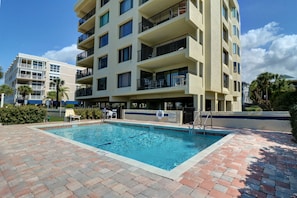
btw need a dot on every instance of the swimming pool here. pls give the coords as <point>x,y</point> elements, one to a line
<point>165,148</point>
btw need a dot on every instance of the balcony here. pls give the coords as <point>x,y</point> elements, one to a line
<point>86,41</point>
<point>145,83</point>
<point>149,52</point>
<point>85,55</point>
<point>86,17</point>
<point>180,50</point>
<point>163,16</point>
<point>84,92</point>
<point>162,26</point>
<point>85,36</point>
<point>85,76</point>
<point>87,22</point>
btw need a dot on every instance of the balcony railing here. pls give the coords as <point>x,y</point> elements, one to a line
<point>86,35</point>
<point>149,52</point>
<point>85,54</point>
<point>163,16</point>
<point>84,73</point>
<point>146,83</point>
<point>87,16</point>
<point>84,92</point>
<point>142,2</point>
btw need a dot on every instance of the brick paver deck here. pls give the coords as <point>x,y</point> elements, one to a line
<point>251,164</point>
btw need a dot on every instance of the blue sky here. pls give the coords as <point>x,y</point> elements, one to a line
<point>49,28</point>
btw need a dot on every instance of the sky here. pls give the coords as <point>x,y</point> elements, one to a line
<point>48,28</point>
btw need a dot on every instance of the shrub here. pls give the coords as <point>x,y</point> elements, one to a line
<point>69,106</point>
<point>21,115</point>
<point>293,119</point>
<point>89,113</point>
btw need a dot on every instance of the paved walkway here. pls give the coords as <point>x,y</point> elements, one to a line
<point>251,164</point>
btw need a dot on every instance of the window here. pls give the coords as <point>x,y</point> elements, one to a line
<point>125,5</point>
<point>125,29</point>
<point>103,2</point>
<point>200,37</point>
<point>125,54</point>
<point>225,34</point>
<point>234,48</point>
<point>104,19</point>
<point>103,40</point>
<point>101,84</point>
<point>238,68</point>
<point>234,67</point>
<point>201,6</point>
<point>124,80</point>
<point>102,62</point>
<point>234,30</point>
<point>201,69</point>
<point>235,85</point>
<point>225,57</point>
<point>226,80</point>
<point>239,87</point>
<point>235,13</point>
<point>225,12</point>
<point>55,68</point>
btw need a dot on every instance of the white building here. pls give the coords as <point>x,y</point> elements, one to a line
<point>38,73</point>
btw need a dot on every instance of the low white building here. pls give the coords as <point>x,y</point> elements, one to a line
<point>39,73</point>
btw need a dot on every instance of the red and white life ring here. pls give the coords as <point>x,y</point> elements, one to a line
<point>160,114</point>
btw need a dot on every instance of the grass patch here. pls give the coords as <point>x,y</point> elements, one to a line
<point>253,108</point>
<point>56,118</point>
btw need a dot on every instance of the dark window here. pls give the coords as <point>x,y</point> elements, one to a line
<point>225,57</point>
<point>102,62</point>
<point>124,80</point>
<point>239,87</point>
<point>126,29</point>
<point>125,54</point>
<point>103,2</point>
<point>103,40</point>
<point>234,67</point>
<point>225,34</point>
<point>102,84</point>
<point>125,5</point>
<point>235,86</point>
<point>238,68</point>
<point>226,80</point>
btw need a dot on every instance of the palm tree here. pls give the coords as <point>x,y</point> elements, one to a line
<point>7,90</point>
<point>24,90</point>
<point>1,72</point>
<point>63,92</point>
<point>60,89</point>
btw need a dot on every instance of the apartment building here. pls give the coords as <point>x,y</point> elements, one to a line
<point>153,54</point>
<point>39,73</point>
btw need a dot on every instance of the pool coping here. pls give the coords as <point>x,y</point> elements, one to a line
<point>174,174</point>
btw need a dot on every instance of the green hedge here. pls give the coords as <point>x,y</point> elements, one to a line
<point>89,113</point>
<point>293,119</point>
<point>21,115</point>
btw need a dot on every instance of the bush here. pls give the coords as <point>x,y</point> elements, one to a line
<point>69,106</point>
<point>21,115</point>
<point>89,113</point>
<point>293,119</point>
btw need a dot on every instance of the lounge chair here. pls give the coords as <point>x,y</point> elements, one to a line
<point>69,113</point>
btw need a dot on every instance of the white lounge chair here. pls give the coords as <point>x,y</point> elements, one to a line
<point>69,113</point>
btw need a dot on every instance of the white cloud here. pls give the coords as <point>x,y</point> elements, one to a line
<point>265,50</point>
<point>67,54</point>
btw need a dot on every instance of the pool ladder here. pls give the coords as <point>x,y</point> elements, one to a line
<point>201,124</point>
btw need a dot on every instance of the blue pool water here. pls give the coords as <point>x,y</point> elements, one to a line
<point>159,147</point>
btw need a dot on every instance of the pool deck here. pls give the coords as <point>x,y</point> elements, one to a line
<point>252,163</point>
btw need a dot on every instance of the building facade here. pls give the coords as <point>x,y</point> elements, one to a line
<point>160,54</point>
<point>39,73</point>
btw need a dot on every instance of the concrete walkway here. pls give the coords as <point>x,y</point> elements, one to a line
<point>251,164</point>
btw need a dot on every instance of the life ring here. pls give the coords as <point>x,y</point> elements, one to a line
<point>160,114</point>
